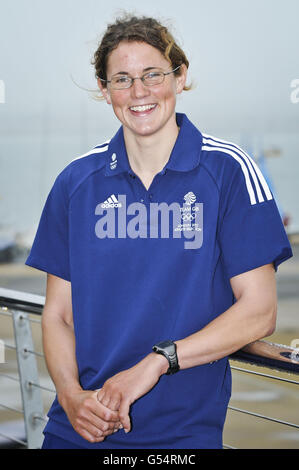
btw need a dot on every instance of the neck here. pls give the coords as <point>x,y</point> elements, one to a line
<point>149,154</point>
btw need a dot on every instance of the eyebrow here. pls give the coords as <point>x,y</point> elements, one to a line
<point>144,70</point>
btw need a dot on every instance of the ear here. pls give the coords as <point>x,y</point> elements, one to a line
<point>181,79</point>
<point>104,91</point>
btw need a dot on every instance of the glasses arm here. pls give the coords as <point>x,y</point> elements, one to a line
<point>167,73</point>
<point>102,80</point>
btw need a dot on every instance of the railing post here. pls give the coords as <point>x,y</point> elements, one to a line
<point>28,372</point>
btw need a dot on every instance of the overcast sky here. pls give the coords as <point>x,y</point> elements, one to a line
<point>243,56</point>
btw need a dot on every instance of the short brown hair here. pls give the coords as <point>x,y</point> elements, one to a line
<point>141,29</point>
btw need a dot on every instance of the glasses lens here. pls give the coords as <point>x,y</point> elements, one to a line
<point>153,78</point>
<point>120,82</point>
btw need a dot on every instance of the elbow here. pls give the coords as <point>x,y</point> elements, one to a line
<point>269,324</point>
<point>270,330</point>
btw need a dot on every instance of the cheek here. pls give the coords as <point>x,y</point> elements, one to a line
<point>169,97</point>
<point>119,100</point>
<point>169,92</point>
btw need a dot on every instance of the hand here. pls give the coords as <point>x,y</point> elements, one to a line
<point>121,390</point>
<point>89,418</point>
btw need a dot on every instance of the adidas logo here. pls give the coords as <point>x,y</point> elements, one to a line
<point>111,202</point>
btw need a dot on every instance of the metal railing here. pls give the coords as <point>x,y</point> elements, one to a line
<point>20,305</point>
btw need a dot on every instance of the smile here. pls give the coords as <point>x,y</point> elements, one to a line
<point>142,109</point>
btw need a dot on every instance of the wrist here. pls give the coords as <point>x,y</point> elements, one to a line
<point>64,394</point>
<point>160,362</point>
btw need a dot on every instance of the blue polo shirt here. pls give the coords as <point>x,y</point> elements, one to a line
<point>134,284</point>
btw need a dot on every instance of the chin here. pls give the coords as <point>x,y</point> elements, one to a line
<point>143,130</point>
<point>146,131</point>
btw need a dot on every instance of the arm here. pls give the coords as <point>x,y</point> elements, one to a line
<point>88,417</point>
<point>251,317</point>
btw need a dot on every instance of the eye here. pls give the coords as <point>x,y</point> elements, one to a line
<point>152,75</point>
<point>121,79</point>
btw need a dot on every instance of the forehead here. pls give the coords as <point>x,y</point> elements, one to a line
<point>134,57</point>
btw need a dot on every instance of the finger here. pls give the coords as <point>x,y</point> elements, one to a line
<point>99,423</point>
<point>98,415</point>
<point>110,401</point>
<point>93,423</point>
<point>102,397</point>
<point>114,402</point>
<point>124,415</point>
<point>99,394</point>
<point>89,432</point>
<point>102,412</point>
<point>97,427</point>
<point>113,428</point>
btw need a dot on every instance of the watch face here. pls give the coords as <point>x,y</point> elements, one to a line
<point>165,344</point>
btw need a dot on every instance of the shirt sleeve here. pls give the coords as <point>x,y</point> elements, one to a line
<point>251,232</point>
<point>50,249</point>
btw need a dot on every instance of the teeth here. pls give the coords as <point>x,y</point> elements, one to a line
<point>142,108</point>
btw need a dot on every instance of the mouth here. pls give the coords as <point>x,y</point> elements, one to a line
<point>142,110</point>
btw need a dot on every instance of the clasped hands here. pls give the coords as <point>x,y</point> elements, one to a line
<point>97,414</point>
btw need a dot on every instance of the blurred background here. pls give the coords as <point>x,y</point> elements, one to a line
<point>244,64</point>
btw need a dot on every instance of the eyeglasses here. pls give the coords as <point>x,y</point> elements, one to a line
<point>155,77</point>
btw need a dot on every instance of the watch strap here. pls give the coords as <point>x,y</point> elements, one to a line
<point>168,349</point>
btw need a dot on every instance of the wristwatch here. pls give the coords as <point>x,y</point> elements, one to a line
<point>168,349</point>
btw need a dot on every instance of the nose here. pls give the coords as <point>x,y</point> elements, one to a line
<point>139,90</point>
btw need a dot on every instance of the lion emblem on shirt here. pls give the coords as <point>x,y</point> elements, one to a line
<point>189,198</point>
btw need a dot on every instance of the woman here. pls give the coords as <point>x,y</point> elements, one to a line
<point>161,247</point>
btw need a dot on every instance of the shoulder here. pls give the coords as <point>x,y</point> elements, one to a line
<point>81,167</point>
<point>91,155</point>
<point>219,154</point>
<point>230,164</point>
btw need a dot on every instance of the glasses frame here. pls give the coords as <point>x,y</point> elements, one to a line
<point>142,79</point>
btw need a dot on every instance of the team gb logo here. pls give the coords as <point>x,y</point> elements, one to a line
<point>189,198</point>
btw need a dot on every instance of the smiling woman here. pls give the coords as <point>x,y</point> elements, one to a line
<point>138,323</point>
<point>140,69</point>
<point>147,106</point>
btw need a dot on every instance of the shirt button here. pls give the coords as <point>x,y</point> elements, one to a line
<point>141,200</point>
<point>151,196</point>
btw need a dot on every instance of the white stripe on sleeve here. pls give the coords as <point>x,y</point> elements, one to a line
<point>249,161</point>
<point>95,150</point>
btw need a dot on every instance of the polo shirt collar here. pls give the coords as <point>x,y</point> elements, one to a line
<point>185,155</point>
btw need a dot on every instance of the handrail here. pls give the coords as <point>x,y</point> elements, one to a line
<point>271,355</point>
<point>22,301</point>
<point>259,353</point>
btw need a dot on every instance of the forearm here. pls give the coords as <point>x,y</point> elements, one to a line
<point>59,350</point>
<point>241,324</point>
<point>89,418</point>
